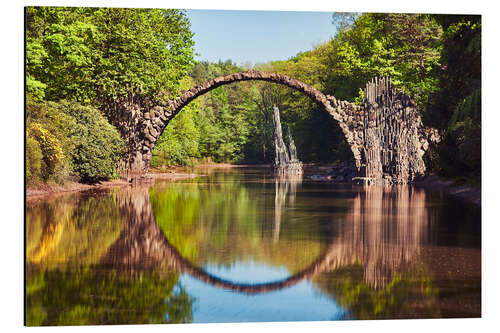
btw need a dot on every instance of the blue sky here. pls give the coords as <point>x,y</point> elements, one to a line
<point>257,36</point>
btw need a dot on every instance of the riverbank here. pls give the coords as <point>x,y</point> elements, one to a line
<point>465,192</point>
<point>41,191</point>
<point>344,172</point>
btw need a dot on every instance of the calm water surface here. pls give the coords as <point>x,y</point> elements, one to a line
<point>238,245</point>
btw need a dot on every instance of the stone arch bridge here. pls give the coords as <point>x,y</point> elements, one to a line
<point>385,134</point>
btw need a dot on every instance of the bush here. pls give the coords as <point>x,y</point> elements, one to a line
<point>33,159</point>
<point>66,137</point>
<point>53,155</point>
<point>97,144</point>
<point>47,142</point>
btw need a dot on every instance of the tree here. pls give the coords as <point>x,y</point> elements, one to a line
<point>456,106</point>
<point>120,60</point>
<point>95,55</point>
<point>405,47</point>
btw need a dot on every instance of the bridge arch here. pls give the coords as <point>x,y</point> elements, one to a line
<point>327,260</point>
<point>347,115</point>
<point>142,245</point>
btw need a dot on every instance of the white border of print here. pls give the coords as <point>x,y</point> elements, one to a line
<point>12,164</point>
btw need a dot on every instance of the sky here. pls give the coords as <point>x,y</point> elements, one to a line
<point>257,36</point>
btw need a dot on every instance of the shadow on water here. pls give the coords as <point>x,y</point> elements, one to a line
<point>117,257</point>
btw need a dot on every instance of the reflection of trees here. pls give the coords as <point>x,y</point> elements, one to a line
<point>383,232</point>
<point>231,223</point>
<point>89,296</point>
<point>139,246</point>
<point>411,294</point>
<point>71,228</point>
<point>112,284</point>
<point>371,267</point>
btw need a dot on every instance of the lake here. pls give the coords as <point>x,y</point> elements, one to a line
<point>239,245</point>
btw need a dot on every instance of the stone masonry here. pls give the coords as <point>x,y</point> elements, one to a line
<point>373,145</point>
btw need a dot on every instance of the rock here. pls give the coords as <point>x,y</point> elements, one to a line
<point>152,131</point>
<point>321,177</point>
<point>285,160</point>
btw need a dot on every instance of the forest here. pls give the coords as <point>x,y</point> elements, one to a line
<point>84,64</point>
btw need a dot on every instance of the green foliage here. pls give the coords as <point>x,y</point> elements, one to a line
<point>34,158</point>
<point>88,296</point>
<point>50,147</point>
<point>224,120</point>
<point>460,74</point>
<point>71,138</point>
<point>467,109</point>
<point>405,47</point>
<point>460,151</point>
<point>34,88</point>
<point>456,106</point>
<point>97,144</point>
<point>102,57</point>
<point>47,142</point>
<point>94,55</point>
<point>179,143</point>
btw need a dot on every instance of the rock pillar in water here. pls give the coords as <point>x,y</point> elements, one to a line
<point>285,158</point>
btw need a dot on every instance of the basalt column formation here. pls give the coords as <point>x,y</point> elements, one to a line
<point>395,139</point>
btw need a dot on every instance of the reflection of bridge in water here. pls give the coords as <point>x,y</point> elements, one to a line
<point>382,232</point>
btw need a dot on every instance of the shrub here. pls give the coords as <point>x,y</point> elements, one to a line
<point>49,127</point>
<point>33,159</point>
<point>97,144</point>
<point>66,137</point>
<point>52,163</point>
